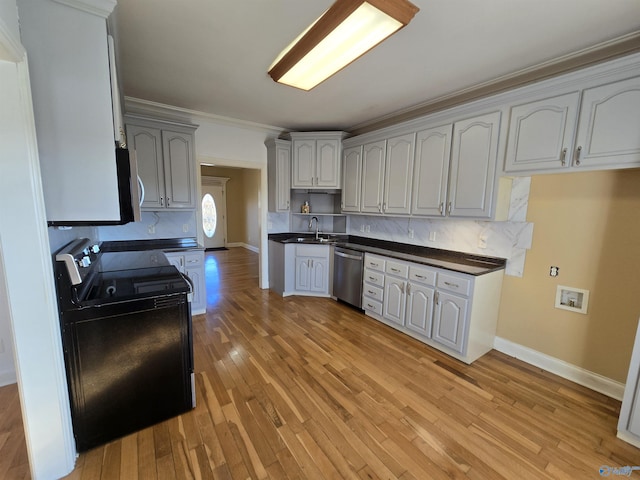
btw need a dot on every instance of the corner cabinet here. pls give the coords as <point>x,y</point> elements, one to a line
<point>596,128</point>
<point>450,311</point>
<point>296,269</point>
<point>165,153</point>
<point>316,160</point>
<point>279,174</point>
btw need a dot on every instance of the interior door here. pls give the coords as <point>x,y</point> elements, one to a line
<point>214,213</point>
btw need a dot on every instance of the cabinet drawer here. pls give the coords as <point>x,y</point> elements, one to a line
<point>374,263</point>
<point>422,275</point>
<point>372,292</point>
<point>370,305</point>
<point>374,278</point>
<point>319,251</point>
<point>454,284</point>
<point>398,269</point>
<point>193,259</point>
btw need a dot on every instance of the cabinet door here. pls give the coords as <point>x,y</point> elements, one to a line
<point>147,143</point>
<point>398,174</point>
<point>609,126</point>
<point>283,178</point>
<point>474,155</point>
<point>449,328</point>
<point>431,171</point>
<point>419,315</point>
<point>541,134</point>
<point>177,260</point>
<point>198,300</point>
<point>303,165</point>
<point>179,170</point>
<point>351,177</point>
<point>328,163</point>
<point>372,177</point>
<point>319,276</point>
<point>303,267</point>
<point>394,300</point>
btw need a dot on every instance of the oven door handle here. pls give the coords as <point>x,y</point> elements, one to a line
<point>191,285</point>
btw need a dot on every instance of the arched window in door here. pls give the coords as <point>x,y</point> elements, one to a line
<point>209,215</point>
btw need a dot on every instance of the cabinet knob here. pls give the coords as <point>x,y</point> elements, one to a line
<point>563,157</point>
<point>577,159</point>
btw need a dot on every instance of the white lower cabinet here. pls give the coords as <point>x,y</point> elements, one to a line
<point>453,312</point>
<point>191,263</point>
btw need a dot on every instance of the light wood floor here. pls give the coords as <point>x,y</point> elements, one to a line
<point>308,388</point>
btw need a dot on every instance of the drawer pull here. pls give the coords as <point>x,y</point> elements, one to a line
<point>421,276</point>
<point>373,279</point>
<point>395,270</point>
<point>455,285</point>
<point>374,264</point>
<point>371,306</point>
<point>370,292</point>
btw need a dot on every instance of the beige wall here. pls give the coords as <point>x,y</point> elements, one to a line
<point>243,189</point>
<point>588,224</point>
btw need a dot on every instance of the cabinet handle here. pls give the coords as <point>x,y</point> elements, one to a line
<point>449,208</point>
<point>408,289</point>
<point>192,261</point>
<point>287,203</point>
<point>455,285</point>
<point>384,207</point>
<point>441,208</point>
<point>402,287</point>
<point>379,208</point>
<point>577,159</point>
<point>422,277</point>
<point>436,298</point>
<point>563,157</point>
<point>371,306</point>
<point>162,201</point>
<point>370,292</point>
<point>373,279</point>
<point>167,201</point>
<point>395,270</point>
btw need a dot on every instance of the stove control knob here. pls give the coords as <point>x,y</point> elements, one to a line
<point>95,248</point>
<point>85,252</point>
<point>86,261</point>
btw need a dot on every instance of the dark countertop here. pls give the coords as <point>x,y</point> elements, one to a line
<point>165,244</point>
<point>462,262</point>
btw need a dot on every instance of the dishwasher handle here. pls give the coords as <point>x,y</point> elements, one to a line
<point>346,255</point>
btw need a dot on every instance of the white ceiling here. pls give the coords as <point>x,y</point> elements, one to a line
<point>212,56</point>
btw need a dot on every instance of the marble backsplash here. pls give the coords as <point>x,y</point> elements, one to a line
<point>153,225</point>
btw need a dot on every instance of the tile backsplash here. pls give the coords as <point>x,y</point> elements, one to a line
<point>153,225</point>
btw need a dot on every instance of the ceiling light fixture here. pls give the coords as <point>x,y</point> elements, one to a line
<point>346,31</point>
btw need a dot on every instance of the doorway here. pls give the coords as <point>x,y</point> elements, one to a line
<point>214,212</point>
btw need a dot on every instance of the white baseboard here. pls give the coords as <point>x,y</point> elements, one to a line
<point>594,381</point>
<point>7,378</point>
<point>243,245</point>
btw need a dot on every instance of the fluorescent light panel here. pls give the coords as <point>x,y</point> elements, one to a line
<point>338,43</point>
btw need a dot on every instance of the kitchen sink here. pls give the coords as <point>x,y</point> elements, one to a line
<point>320,240</point>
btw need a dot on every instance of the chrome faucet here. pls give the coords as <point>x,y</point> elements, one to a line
<point>317,226</point>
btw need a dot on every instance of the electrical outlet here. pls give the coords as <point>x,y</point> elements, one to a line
<point>411,233</point>
<point>185,227</point>
<point>432,236</point>
<point>151,229</point>
<point>482,241</point>
<point>362,227</point>
<point>269,225</point>
<point>554,271</point>
<point>368,228</point>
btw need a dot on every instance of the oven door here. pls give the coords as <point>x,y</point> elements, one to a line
<point>129,366</point>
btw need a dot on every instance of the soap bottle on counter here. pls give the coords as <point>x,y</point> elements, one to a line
<point>305,207</point>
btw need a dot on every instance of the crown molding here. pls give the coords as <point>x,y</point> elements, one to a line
<point>618,47</point>
<point>101,8</point>
<point>138,106</point>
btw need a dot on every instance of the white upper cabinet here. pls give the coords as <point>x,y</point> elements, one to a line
<point>431,170</point>
<point>373,156</point>
<point>316,160</point>
<point>564,133</point>
<point>72,105</point>
<point>279,174</point>
<point>398,174</point>
<point>351,175</point>
<point>474,154</point>
<point>541,133</point>
<point>609,126</point>
<point>166,163</point>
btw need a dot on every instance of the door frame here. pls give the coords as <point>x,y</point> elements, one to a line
<point>214,182</point>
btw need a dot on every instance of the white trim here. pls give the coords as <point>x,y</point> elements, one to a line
<point>137,106</point>
<point>11,49</point>
<point>8,378</point>
<point>243,245</point>
<point>101,8</point>
<point>629,438</point>
<point>586,378</point>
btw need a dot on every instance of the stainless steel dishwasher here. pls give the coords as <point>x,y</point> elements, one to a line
<point>347,275</point>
